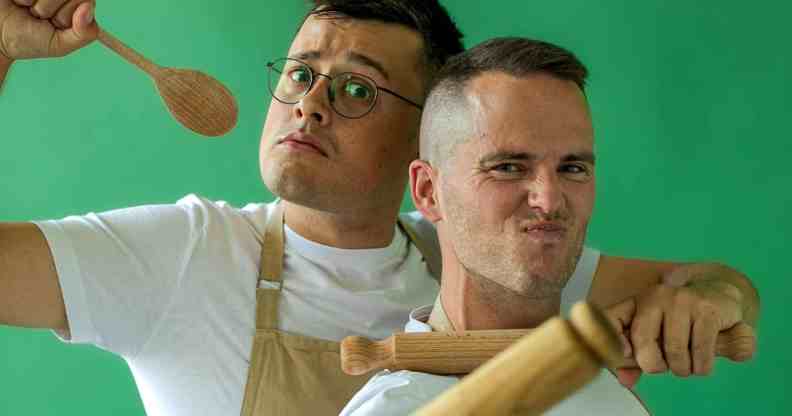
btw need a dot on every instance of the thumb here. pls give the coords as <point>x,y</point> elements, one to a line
<point>621,316</point>
<point>83,31</point>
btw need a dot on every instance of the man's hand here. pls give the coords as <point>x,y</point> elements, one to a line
<point>674,325</point>
<point>45,28</point>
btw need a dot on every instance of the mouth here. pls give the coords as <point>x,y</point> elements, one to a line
<point>545,231</point>
<point>302,141</point>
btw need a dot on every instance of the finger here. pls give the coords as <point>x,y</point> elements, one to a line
<point>645,336</point>
<point>63,17</point>
<point>83,31</point>
<point>621,316</point>
<point>628,377</point>
<point>45,9</point>
<point>676,340</point>
<point>705,334</point>
<point>24,3</point>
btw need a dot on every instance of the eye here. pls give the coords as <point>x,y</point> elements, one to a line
<point>507,168</point>
<point>300,75</point>
<point>358,90</point>
<point>576,171</point>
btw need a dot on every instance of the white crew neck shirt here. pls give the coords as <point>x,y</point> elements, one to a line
<point>171,289</point>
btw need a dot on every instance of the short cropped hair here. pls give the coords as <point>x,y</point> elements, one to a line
<point>518,57</point>
<point>441,37</point>
<point>515,56</point>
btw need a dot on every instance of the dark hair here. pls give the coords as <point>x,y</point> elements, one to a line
<point>441,37</point>
<point>515,56</point>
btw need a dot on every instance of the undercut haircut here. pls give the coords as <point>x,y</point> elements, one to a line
<point>515,56</point>
<point>441,36</point>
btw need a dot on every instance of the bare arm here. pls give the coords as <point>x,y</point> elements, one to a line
<point>619,278</point>
<point>30,294</point>
<point>5,65</point>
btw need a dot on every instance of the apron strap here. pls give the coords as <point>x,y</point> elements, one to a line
<point>269,282</point>
<point>430,253</point>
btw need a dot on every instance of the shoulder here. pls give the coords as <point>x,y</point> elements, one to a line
<point>206,213</point>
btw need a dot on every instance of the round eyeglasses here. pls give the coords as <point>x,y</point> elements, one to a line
<point>351,95</point>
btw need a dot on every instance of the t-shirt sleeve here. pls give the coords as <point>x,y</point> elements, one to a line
<point>397,394</point>
<point>118,270</point>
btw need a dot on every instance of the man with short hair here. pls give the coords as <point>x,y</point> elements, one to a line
<point>507,175</point>
<point>218,309</point>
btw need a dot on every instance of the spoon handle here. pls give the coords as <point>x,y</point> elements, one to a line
<point>128,53</point>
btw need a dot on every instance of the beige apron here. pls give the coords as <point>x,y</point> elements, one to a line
<point>290,374</point>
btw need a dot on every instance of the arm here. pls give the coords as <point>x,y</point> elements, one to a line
<point>30,294</point>
<point>619,278</point>
<point>5,65</point>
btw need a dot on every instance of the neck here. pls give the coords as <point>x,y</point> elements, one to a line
<point>475,303</point>
<point>355,230</point>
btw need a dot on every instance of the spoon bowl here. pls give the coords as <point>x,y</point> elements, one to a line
<point>196,100</point>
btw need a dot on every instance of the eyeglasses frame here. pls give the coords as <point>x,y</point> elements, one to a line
<point>315,74</point>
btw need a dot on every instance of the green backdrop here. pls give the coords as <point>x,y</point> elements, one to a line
<point>691,104</point>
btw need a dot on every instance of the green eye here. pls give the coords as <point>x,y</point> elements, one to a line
<point>300,75</point>
<point>358,90</point>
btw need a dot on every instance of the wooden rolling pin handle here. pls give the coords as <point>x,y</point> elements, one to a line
<point>361,355</point>
<point>462,352</point>
<point>128,53</point>
<point>737,343</point>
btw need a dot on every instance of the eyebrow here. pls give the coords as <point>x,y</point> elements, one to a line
<point>354,57</point>
<point>501,155</point>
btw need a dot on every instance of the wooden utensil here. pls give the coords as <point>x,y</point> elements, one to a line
<point>462,352</point>
<point>541,369</point>
<point>198,101</point>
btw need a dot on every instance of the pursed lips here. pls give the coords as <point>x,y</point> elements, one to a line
<point>301,139</point>
<point>545,230</point>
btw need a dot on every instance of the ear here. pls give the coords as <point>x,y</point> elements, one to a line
<point>423,189</point>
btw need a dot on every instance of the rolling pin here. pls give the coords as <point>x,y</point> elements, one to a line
<point>537,371</point>
<point>462,352</point>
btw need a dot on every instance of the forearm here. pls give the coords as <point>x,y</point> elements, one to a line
<point>718,275</point>
<point>5,65</point>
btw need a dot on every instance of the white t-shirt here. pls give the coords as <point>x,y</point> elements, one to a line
<point>402,392</point>
<point>170,288</point>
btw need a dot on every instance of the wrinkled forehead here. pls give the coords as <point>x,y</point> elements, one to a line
<point>393,51</point>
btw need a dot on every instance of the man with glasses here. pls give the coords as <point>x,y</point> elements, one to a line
<point>351,95</point>
<point>217,309</point>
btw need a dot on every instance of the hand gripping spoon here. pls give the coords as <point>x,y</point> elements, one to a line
<point>197,101</point>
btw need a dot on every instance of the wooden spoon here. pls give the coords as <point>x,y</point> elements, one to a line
<point>198,101</point>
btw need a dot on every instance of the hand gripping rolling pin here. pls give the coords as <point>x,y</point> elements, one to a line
<point>535,372</point>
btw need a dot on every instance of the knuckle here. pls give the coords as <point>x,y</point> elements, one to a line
<point>703,349</point>
<point>675,348</point>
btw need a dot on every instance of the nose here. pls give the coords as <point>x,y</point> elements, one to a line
<point>316,104</point>
<point>546,196</point>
